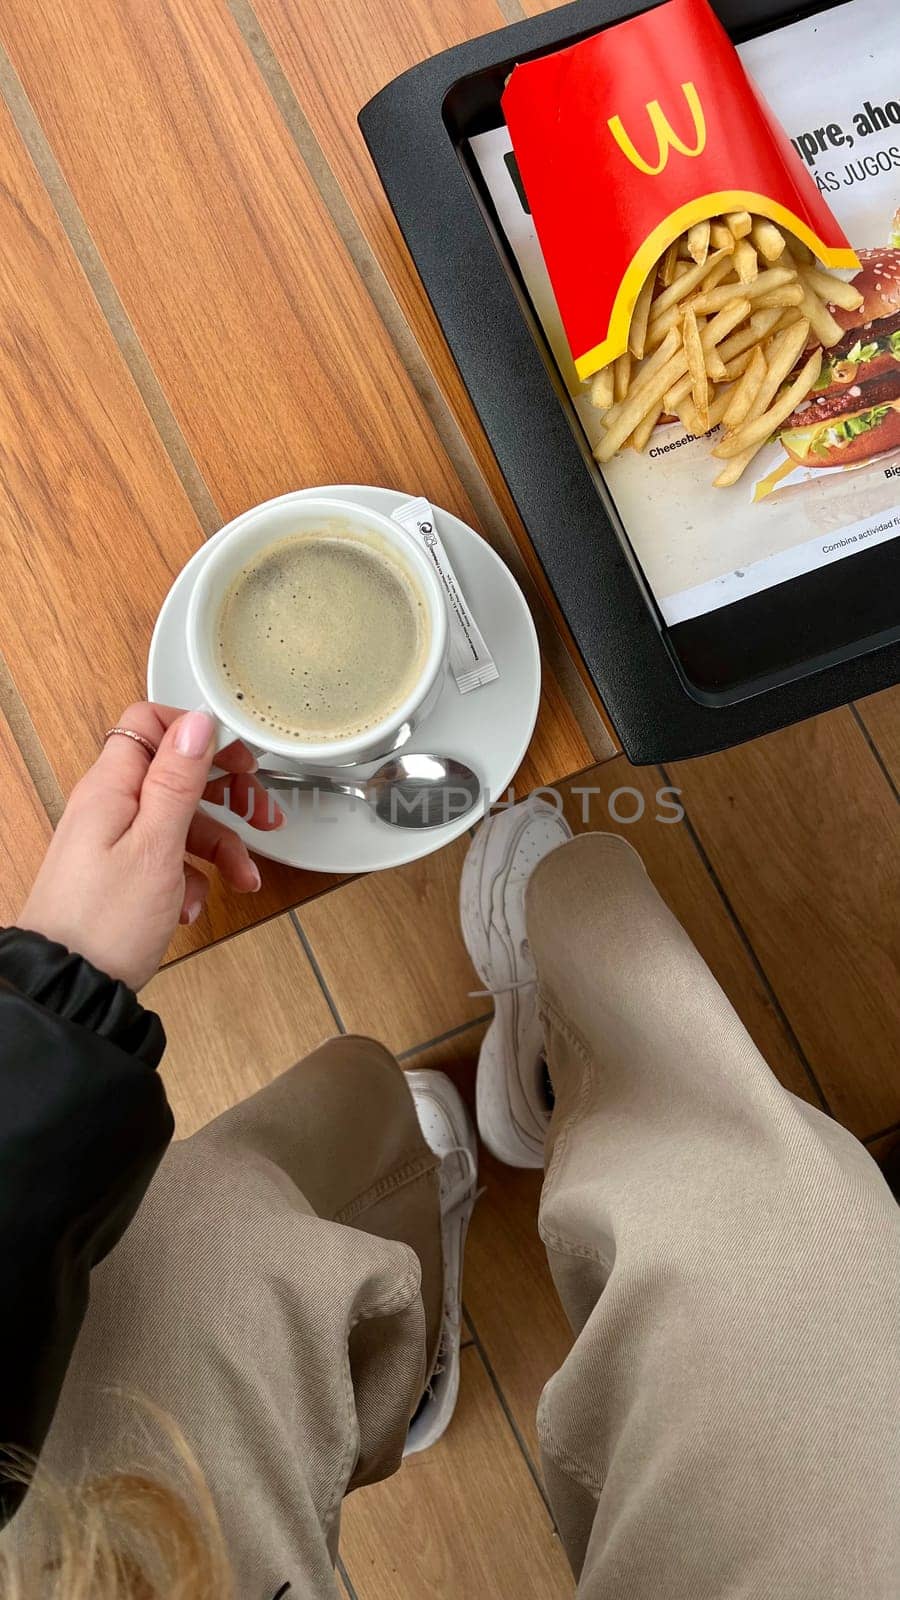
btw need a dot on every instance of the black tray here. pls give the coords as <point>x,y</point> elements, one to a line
<point>416,130</point>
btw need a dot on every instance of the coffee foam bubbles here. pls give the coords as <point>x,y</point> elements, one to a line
<point>322,636</point>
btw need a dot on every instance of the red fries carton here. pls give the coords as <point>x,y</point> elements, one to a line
<point>627,139</point>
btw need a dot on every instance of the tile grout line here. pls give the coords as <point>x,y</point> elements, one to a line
<point>345,1579</point>
<point>748,946</point>
<point>881,1133</point>
<point>863,728</point>
<point>29,746</point>
<point>406,345</point>
<point>107,297</point>
<point>248,927</point>
<point>501,1397</point>
<point>443,1038</point>
<point>317,970</point>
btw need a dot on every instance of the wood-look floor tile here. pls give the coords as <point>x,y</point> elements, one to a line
<point>509,1294</point>
<point>235,1016</point>
<point>391,953</point>
<point>881,715</point>
<point>461,1520</point>
<point>801,830</point>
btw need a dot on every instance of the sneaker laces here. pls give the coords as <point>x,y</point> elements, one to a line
<point>502,988</point>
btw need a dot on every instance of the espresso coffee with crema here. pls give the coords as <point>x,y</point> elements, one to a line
<point>322,636</point>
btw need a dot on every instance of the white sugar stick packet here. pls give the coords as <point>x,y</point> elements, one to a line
<point>470,660</point>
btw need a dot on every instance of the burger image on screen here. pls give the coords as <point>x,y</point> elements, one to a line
<point>853,413</point>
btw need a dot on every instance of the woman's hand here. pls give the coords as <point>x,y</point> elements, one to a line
<point>114,883</point>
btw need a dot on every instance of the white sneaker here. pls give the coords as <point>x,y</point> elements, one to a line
<point>512,1099</point>
<point>448,1129</point>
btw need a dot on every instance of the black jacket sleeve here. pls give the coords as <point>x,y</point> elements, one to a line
<point>84,1122</point>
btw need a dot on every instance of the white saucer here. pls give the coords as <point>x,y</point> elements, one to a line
<point>489,729</point>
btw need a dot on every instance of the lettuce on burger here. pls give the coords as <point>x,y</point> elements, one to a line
<point>853,414</point>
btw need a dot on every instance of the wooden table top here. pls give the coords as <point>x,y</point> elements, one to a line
<point>204,302</point>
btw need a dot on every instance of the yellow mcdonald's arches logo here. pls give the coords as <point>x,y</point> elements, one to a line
<point>666,137</point>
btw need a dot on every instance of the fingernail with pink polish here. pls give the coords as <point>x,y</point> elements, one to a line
<point>193,911</point>
<point>194,733</point>
<point>257,880</point>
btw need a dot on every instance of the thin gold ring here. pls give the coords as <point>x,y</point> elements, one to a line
<point>129,733</point>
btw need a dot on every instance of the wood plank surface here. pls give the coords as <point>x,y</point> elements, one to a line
<point>880,715</point>
<point>335,54</point>
<point>95,523</point>
<point>244,298</point>
<point>235,1017</point>
<point>390,950</point>
<point>510,1298</point>
<point>801,829</point>
<point>24,828</point>
<point>552,744</point>
<point>260,330</point>
<point>462,1519</point>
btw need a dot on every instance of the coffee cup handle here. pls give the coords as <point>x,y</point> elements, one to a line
<point>226,736</point>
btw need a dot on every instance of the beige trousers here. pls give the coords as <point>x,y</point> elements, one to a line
<point>726,1423</point>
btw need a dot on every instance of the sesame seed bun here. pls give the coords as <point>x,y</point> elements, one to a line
<point>879,284</point>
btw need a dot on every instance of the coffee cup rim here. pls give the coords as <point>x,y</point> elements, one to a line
<point>334,751</point>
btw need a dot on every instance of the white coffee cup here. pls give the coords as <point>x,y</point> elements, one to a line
<point>253,532</point>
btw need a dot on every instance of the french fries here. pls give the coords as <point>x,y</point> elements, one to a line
<point>738,223</point>
<point>834,291</point>
<point>667,270</point>
<point>640,316</point>
<point>823,325</point>
<point>746,389</point>
<point>602,389</point>
<point>746,261</point>
<point>769,240</point>
<point>758,429</point>
<point>727,332</point>
<point>715,299</point>
<point>783,352</point>
<point>621,376</point>
<point>685,285</point>
<point>715,366</point>
<point>737,367</point>
<point>693,349</point>
<point>790,294</point>
<point>698,242</point>
<point>641,436</point>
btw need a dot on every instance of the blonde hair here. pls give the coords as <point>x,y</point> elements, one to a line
<point>126,1536</point>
